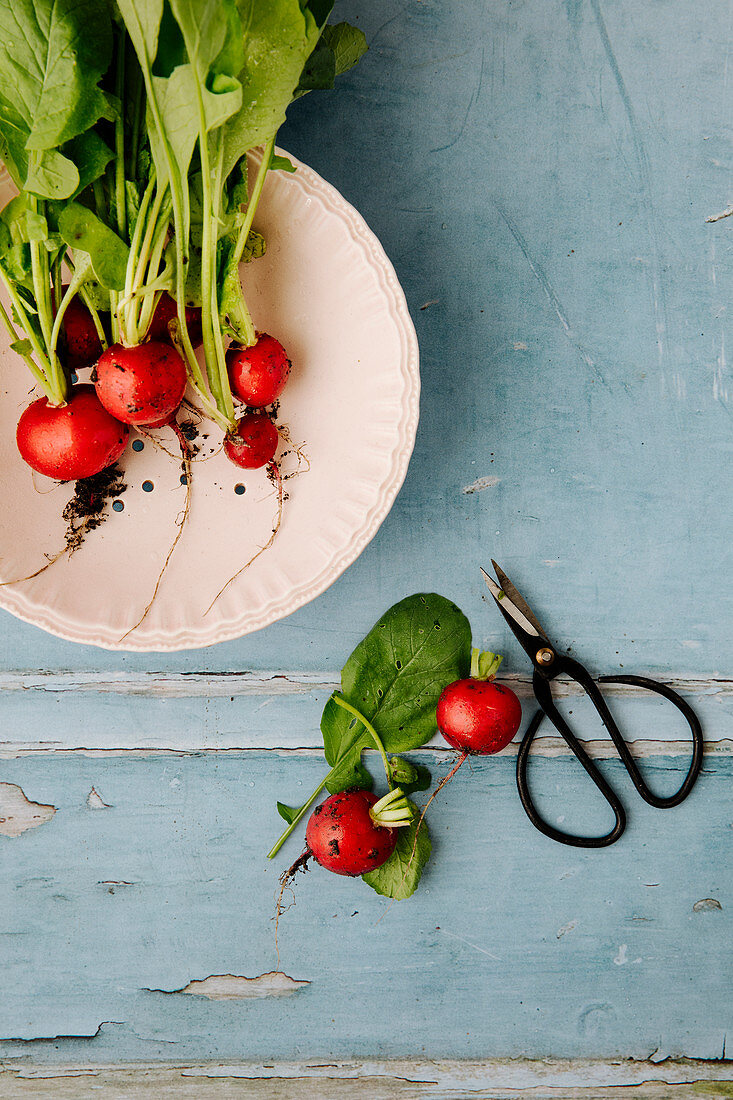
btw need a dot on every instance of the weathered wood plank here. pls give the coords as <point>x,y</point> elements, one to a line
<point>512,945</point>
<point>70,711</point>
<point>434,1080</point>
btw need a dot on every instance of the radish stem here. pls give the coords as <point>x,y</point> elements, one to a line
<point>341,702</point>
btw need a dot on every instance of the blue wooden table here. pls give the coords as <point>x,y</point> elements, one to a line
<point>549,178</point>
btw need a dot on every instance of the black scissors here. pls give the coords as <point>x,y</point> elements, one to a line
<point>549,663</point>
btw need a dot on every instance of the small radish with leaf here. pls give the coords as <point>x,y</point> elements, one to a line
<point>477,715</point>
<point>354,832</point>
<point>142,385</point>
<point>258,373</point>
<point>75,440</point>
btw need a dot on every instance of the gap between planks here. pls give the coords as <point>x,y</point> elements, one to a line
<point>548,747</point>
<point>192,685</point>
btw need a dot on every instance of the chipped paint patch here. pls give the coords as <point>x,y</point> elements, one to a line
<point>96,802</point>
<point>723,214</point>
<point>521,346</point>
<point>232,987</point>
<point>17,813</point>
<point>432,302</point>
<point>705,905</point>
<point>480,484</point>
<point>566,928</point>
<point>623,955</point>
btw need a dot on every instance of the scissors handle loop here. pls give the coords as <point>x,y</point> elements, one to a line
<point>543,694</point>
<point>659,802</point>
<point>547,706</point>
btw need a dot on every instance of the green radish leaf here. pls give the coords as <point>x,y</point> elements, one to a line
<point>22,223</point>
<point>179,107</point>
<point>319,71</point>
<point>98,296</point>
<point>232,310</point>
<point>52,56</point>
<point>278,40</point>
<point>91,156</point>
<point>338,49</point>
<point>289,813</point>
<point>83,230</point>
<point>22,347</point>
<point>191,88</point>
<point>395,677</point>
<point>142,19</point>
<point>350,772</point>
<point>407,776</point>
<point>348,45</point>
<point>17,263</point>
<point>255,247</point>
<point>398,878</point>
<point>51,175</point>
<point>281,164</point>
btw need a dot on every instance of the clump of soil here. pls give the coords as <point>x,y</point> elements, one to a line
<point>87,508</point>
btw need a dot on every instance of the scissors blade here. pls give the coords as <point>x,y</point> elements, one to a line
<point>512,614</point>
<point>514,608</point>
<point>519,603</point>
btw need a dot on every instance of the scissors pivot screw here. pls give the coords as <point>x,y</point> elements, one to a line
<point>544,656</point>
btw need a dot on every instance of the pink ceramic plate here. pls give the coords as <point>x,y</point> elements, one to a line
<point>326,289</point>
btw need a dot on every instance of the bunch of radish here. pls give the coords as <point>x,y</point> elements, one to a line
<point>354,832</point>
<point>135,210</point>
<point>416,673</point>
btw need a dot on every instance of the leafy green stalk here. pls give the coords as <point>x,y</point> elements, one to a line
<point>22,348</point>
<point>300,813</point>
<point>484,666</point>
<point>341,702</point>
<point>120,197</point>
<point>142,19</point>
<point>42,370</point>
<point>213,348</point>
<point>87,300</point>
<point>41,273</point>
<point>233,310</point>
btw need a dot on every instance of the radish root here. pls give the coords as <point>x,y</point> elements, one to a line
<point>180,522</point>
<point>273,472</point>
<point>286,883</point>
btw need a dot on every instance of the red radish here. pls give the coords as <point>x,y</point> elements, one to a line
<point>258,374</point>
<point>141,385</point>
<point>344,833</point>
<point>478,716</point>
<point>70,441</point>
<point>253,443</point>
<point>83,346</point>
<point>165,311</point>
<point>475,715</point>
